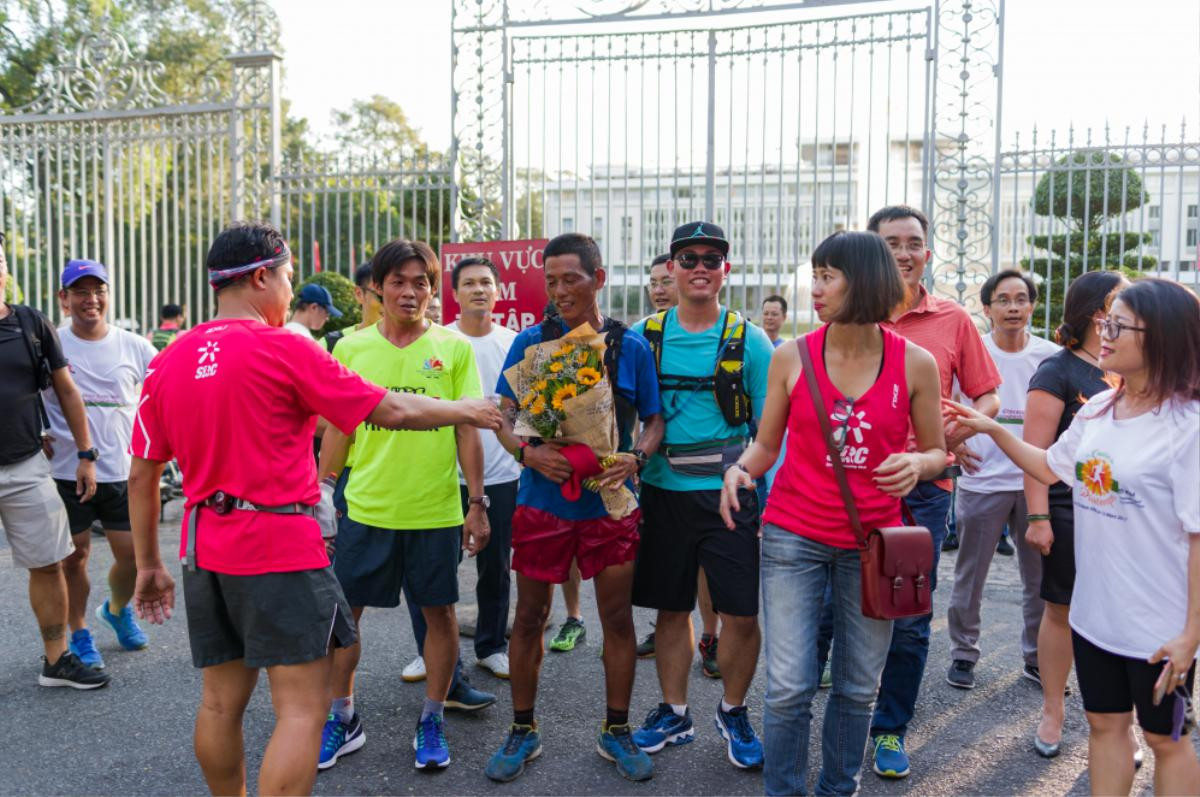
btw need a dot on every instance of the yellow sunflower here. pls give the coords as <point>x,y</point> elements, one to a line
<point>565,350</point>
<point>588,376</point>
<point>539,405</point>
<point>541,385</point>
<point>529,397</point>
<point>555,367</point>
<point>562,394</point>
<point>581,356</point>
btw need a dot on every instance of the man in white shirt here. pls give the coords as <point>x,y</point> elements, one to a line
<point>991,492</point>
<point>476,285</point>
<point>108,365</point>
<point>314,307</point>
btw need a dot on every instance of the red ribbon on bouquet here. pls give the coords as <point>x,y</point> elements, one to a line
<point>584,465</point>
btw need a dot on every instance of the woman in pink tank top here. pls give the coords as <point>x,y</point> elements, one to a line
<point>874,385</point>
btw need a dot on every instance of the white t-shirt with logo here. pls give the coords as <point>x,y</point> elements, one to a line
<point>996,472</point>
<point>490,351</point>
<point>299,329</point>
<point>1135,489</point>
<point>109,374</point>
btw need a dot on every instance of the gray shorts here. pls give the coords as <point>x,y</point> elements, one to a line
<point>268,620</point>
<point>33,515</point>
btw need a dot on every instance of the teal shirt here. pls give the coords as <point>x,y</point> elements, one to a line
<point>698,418</point>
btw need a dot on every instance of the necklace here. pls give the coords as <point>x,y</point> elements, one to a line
<point>1091,356</point>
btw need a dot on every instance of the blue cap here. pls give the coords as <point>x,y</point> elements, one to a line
<point>78,269</point>
<point>319,295</point>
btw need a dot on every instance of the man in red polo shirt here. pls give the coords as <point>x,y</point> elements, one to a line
<point>945,330</point>
<point>258,586</point>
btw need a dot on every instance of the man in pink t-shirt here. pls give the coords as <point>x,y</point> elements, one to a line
<point>235,401</point>
<point>946,331</point>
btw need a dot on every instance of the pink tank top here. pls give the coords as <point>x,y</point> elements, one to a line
<point>805,498</point>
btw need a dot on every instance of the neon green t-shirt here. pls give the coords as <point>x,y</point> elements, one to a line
<point>408,480</point>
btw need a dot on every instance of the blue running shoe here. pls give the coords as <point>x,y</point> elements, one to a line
<point>890,759</point>
<point>616,744</point>
<point>433,751</point>
<point>464,697</point>
<point>83,646</point>
<point>742,746</point>
<point>129,633</point>
<point>522,745</point>
<point>340,738</point>
<point>663,727</point>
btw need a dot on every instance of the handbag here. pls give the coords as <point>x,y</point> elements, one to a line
<point>895,560</point>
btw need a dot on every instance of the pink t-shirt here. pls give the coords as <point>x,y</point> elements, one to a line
<point>805,498</point>
<point>236,402</point>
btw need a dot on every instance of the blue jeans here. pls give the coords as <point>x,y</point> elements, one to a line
<point>795,574</point>
<point>930,507</point>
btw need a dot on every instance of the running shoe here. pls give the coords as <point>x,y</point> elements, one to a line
<point>464,697</point>
<point>129,633</point>
<point>70,671</point>
<point>742,745</point>
<point>645,648</point>
<point>570,634</point>
<point>84,646</point>
<point>708,658</point>
<point>616,744</point>
<point>961,674</point>
<point>433,751</point>
<point>340,738</point>
<point>496,664</point>
<point>1004,547</point>
<point>951,542</point>
<point>663,727</point>
<point>414,671</point>
<point>522,745</point>
<point>826,675</point>
<point>890,759</point>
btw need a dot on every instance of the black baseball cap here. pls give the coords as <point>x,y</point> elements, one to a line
<point>699,232</point>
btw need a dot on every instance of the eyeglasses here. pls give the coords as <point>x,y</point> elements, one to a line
<point>1005,302</point>
<point>84,293</point>
<point>913,247</point>
<point>656,284</point>
<point>1112,329</point>
<point>689,260</point>
<point>843,409</point>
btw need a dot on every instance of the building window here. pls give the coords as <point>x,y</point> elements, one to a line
<point>1154,238</point>
<point>1191,237</point>
<point>598,231</point>
<point>568,224</point>
<point>626,238</point>
<point>1191,211</point>
<point>1153,211</point>
<point>1187,265</point>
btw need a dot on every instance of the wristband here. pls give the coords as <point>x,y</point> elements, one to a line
<point>519,454</point>
<point>737,465</point>
<point>1038,516</point>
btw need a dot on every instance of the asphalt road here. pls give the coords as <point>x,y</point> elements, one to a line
<point>134,737</point>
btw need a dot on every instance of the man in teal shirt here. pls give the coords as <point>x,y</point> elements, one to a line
<point>712,368</point>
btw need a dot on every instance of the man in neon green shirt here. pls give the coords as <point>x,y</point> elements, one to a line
<point>404,523</point>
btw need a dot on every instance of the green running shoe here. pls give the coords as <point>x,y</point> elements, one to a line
<point>569,635</point>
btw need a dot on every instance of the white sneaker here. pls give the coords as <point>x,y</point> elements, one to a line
<point>415,671</point>
<point>496,664</point>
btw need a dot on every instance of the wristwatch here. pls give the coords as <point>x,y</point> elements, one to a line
<point>641,458</point>
<point>91,454</point>
<point>482,500</point>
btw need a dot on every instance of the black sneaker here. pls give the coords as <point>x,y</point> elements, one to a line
<point>1032,673</point>
<point>1004,547</point>
<point>961,674</point>
<point>70,671</point>
<point>645,648</point>
<point>950,543</point>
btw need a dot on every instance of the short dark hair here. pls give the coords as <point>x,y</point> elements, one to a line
<point>170,311</point>
<point>467,262</point>
<point>242,243</point>
<point>393,255</point>
<point>1087,294</point>
<point>989,287</point>
<point>774,297</point>
<point>1170,315</point>
<point>870,269</point>
<point>578,244</point>
<point>3,238</point>
<point>661,259</point>
<point>895,212</point>
<point>362,275</point>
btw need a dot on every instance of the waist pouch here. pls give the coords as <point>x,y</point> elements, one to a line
<point>222,503</point>
<point>704,459</point>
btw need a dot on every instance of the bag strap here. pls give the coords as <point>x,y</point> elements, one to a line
<point>835,456</point>
<point>27,323</point>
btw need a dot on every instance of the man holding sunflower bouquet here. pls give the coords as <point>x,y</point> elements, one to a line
<point>597,527</point>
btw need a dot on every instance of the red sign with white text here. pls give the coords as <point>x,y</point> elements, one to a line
<point>522,280</point>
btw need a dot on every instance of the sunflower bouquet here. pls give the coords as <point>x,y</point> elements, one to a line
<point>563,395</point>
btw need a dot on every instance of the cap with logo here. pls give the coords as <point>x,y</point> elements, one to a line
<point>699,232</point>
<point>319,295</point>
<point>78,269</point>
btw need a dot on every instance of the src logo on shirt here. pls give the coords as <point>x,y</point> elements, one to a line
<point>432,368</point>
<point>208,359</point>
<point>854,453</point>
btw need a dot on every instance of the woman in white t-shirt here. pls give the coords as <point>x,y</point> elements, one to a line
<point>1132,456</point>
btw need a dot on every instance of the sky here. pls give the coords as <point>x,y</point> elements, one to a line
<point>1086,62</point>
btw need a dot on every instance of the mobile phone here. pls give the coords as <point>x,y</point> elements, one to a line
<point>1165,682</point>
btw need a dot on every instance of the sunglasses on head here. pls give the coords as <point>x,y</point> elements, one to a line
<point>689,260</point>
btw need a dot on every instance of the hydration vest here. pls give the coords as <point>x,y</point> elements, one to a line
<point>727,382</point>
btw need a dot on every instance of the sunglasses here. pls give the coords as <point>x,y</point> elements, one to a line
<point>843,409</point>
<point>689,260</point>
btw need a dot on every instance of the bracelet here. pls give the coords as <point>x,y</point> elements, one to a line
<point>737,465</point>
<point>1037,516</point>
<point>331,480</point>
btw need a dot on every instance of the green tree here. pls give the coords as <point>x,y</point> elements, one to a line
<point>342,291</point>
<point>1086,192</point>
